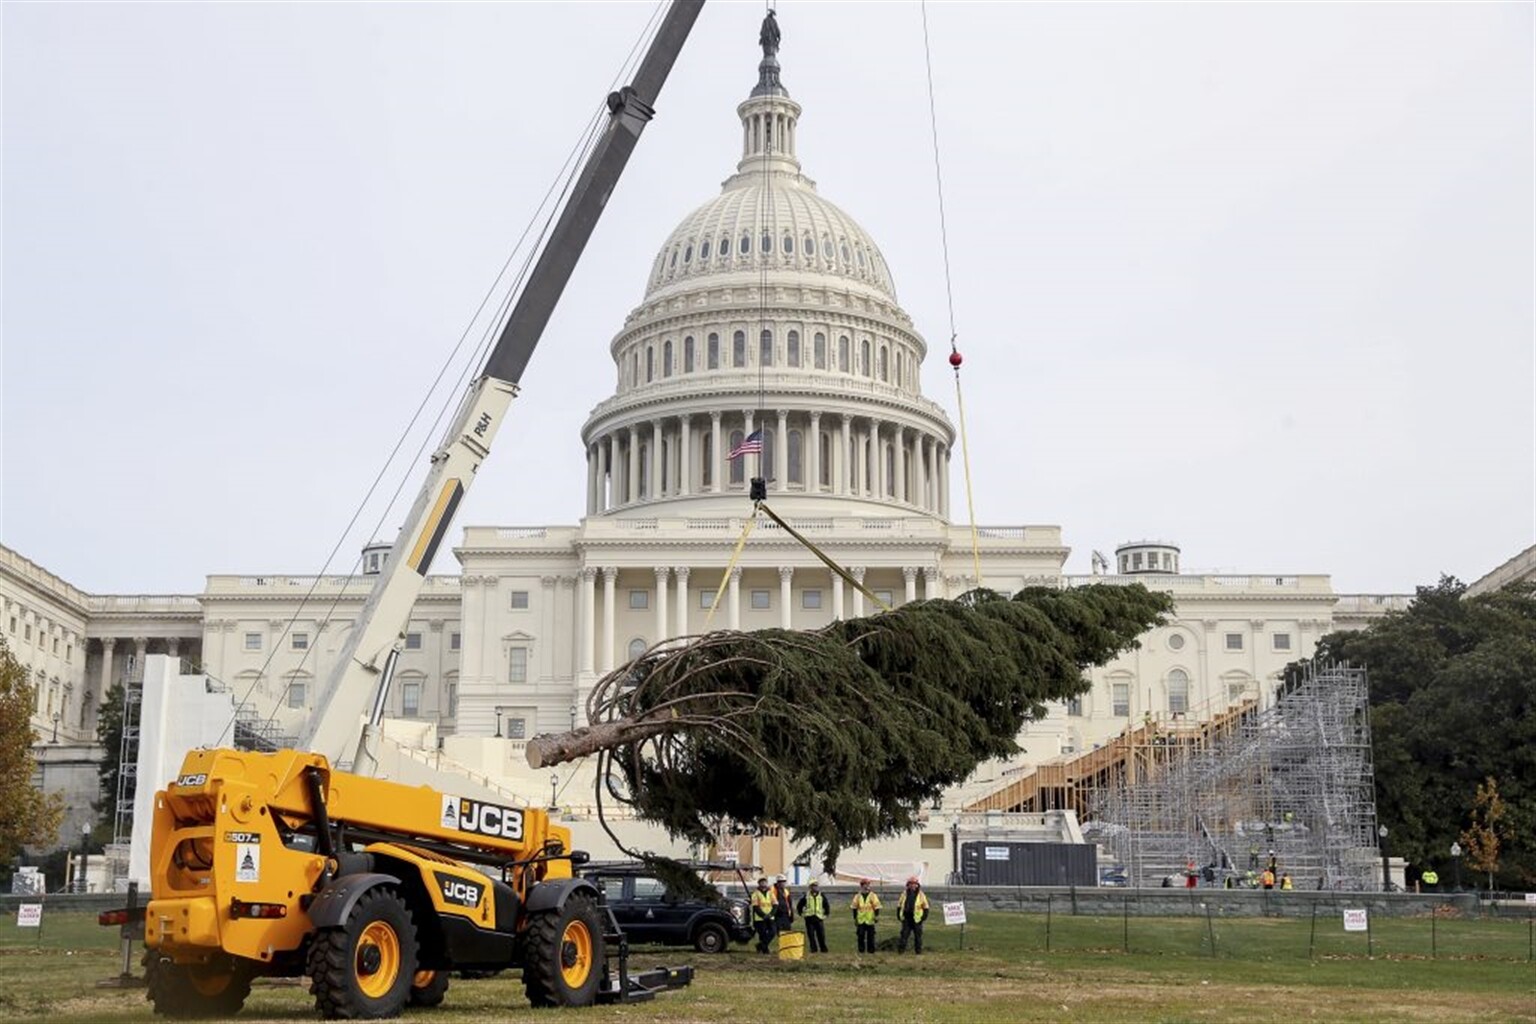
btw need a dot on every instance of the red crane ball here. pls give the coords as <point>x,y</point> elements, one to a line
<point>955,360</point>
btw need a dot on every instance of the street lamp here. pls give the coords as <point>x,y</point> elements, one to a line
<point>56,717</point>
<point>85,839</point>
<point>554,782</point>
<point>1386,870</point>
<point>1456,860</point>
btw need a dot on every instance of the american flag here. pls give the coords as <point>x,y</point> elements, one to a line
<point>752,444</point>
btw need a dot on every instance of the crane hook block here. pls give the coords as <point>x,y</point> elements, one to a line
<point>759,491</point>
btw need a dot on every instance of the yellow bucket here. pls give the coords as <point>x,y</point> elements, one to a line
<point>791,946</point>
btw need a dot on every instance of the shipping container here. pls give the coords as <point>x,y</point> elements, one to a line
<point>1003,863</point>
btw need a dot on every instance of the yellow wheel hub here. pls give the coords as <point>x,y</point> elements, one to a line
<point>421,979</point>
<point>576,954</point>
<point>377,960</point>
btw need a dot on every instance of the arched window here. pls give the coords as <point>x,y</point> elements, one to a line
<point>739,349</point>
<point>724,248</point>
<point>765,242</point>
<point>796,475</point>
<point>885,364</point>
<point>826,248</point>
<point>688,354</point>
<point>842,353</point>
<point>824,470</point>
<point>712,359</point>
<point>808,246</point>
<point>637,647</point>
<point>738,464</point>
<point>704,251</point>
<point>792,348</point>
<point>688,253</point>
<point>707,468</point>
<point>672,263</point>
<point>847,259</point>
<point>789,246</point>
<point>1178,691</point>
<point>765,349</point>
<point>820,351</point>
<point>745,248</point>
<point>666,358</point>
<point>650,363</point>
<point>865,366</point>
<point>860,252</point>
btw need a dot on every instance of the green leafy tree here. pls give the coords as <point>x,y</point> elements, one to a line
<point>845,733</point>
<point>109,733</point>
<point>28,816</point>
<point>1453,703</point>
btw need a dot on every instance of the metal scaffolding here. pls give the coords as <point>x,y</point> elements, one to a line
<point>1293,783</point>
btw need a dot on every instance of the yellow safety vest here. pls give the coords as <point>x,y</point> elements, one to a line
<point>762,905</point>
<point>815,905</point>
<point>919,908</point>
<point>1429,878</point>
<point>864,907</point>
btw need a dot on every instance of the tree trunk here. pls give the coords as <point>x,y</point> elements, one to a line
<point>557,748</point>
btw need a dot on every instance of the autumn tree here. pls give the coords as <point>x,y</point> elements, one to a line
<point>28,817</point>
<point>1481,839</point>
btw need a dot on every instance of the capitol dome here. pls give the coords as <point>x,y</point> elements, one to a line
<point>769,316</point>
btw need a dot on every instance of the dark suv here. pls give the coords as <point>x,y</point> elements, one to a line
<point>649,912</point>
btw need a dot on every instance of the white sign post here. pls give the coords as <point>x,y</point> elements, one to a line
<point>1530,897</point>
<point>1356,921</point>
<point>954,913</point>
<point>29,915</point>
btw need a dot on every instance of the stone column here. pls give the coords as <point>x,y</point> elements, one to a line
<point>605,473</point>
<point>173,647</point>
<point>857,572</point>
<point>733,599</point>
<point>685,455</point>
<point>591,480</point>
<point>632,477</point>
<point>610,580</point>
<point>909,573</point>
<point>879,459</point>
<point>681,572</point>
<point>930,583</point>
<point>588,617</point>
<point>657,472</point>
<point>663,580</point>
<point>837,597</point>
<point>716,454</point>
<point>781,453</point>
<point>899,444</point>
<point>844,458</point>
<point>813,455</point>
<point>920,488</point>
<point>786,575</point>
<point>107,643</point>
<point>941,479</point>
<point>140,649</point>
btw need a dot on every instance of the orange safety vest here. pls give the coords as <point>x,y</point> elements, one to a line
<point>1267,879</point>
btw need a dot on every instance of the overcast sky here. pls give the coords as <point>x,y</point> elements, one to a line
<point>1254,278</point>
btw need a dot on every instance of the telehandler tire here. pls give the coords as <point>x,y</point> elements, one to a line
<point>190,991</point>
<point>428,988</point>
<point>563,954</point>
<point>363,970</point>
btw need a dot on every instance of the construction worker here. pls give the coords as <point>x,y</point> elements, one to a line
<point>813,909</point>
<point>783,909</point>
<point>1285,883</point>
<point>866,912</point>
<point>1430,877</point>
<point>1267,879</point>
<point>762,914</point>
<point>911,911</point>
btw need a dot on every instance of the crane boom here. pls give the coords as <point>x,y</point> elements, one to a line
<point>367,659</point>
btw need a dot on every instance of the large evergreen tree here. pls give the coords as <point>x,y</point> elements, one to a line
<point>1453,704</point>
<point>843,734</point>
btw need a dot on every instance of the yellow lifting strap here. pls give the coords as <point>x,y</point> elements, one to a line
<point>741,543</point>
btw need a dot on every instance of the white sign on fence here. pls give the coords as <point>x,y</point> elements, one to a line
<point>1530,897</point>
<point>997,853</point>
<point>29,915</point>
<point>731,856</point>
<point>954,913</point>
<point>1356,921</point>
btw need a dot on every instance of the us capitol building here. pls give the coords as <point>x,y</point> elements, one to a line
<point>768,308</point>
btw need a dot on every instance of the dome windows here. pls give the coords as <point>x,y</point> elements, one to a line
<point>808,246</point>
<point>738,352</point>
<point>650,363</point>
<point>765,243</point>
<point>789,245</point>
<point>712,353</point>
<point>819,351</point>
<point>745,248</point>
<point>688,354</point>
<point>725,247</point>
<point>792,348</point>
<point>826,248</point>
<point>688,254</point>
<point>765,349</point>
<point>704,250</point>
<point>673,263</point>
<point>842,353</point>
<point>860,253</point>
<point>847,258</point>
<point>666,359</point>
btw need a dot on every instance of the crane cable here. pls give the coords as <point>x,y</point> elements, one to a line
<point>955,358</point>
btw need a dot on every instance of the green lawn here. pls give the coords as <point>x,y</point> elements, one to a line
<point>1261,971</point>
